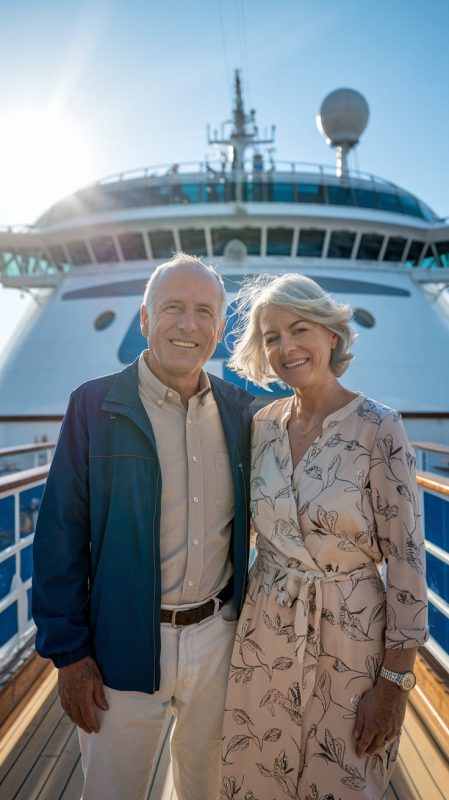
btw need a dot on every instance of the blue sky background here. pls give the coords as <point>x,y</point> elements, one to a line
<point>142,79</point>
<point>135,84</point>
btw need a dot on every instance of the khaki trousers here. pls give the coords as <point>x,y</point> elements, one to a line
<point>118,761</point>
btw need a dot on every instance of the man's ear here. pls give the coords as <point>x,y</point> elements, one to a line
<point>144,321</point>
<point>220,331</point>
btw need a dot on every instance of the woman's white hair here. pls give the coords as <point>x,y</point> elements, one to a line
<point>296,293</point>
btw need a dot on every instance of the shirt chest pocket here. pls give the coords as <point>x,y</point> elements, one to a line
<point>224,493</point>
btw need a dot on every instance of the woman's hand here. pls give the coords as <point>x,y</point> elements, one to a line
<point>380,714</point>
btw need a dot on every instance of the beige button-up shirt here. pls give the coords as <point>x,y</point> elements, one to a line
<point>197,495</point>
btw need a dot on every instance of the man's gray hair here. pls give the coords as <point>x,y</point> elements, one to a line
<point>178,260</point>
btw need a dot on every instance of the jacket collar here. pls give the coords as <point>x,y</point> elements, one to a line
<point>123,398</point>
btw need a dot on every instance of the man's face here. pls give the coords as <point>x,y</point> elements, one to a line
<point>184,324</point>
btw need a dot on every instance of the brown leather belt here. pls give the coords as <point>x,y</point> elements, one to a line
<point>189,616</point>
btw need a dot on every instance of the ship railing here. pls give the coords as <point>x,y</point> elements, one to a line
<point>14,459</point>
<point>20,498</point>
<point>434,504</point>
<point>432,457</point>
<point>220,168</point>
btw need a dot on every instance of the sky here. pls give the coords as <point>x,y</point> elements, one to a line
<point>90,88</point>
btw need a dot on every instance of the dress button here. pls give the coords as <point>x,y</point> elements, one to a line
<point>160,403</point>
<point>169,394</point>
<point>195,541</point>
<point>190,583</point>
<point>195,500</point>
<point>194,458</point>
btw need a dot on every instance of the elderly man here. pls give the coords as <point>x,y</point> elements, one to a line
<point>141,547</point>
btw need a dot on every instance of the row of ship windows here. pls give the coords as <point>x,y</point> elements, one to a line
<point>102,199</point>
<point>312,243</point>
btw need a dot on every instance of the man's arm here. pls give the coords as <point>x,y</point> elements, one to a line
<point>61,571</point>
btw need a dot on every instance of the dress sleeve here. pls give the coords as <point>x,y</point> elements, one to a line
<point>398,519</point>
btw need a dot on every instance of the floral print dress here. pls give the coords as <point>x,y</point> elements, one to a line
<point>317,615</point>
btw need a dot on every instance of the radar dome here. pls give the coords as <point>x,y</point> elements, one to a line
<point>343,117</point>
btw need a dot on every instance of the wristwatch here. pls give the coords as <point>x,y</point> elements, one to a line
<point>405,680</point>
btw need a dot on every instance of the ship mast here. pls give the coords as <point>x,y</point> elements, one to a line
<point>244,133</point>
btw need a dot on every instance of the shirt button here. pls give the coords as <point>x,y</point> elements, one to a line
<point>195,541</point>
<point>195,500</point>
<point>194,458</point>
<point>160,403</point>
<point>190,583</point>
<point>169,394</point>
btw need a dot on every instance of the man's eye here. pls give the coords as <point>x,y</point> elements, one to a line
<point>205,312</point>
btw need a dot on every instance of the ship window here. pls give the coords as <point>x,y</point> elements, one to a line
<point>340,245</point>
<point>133,197</point>
<point>310,243</point>
<point>310,193</point>
<point>133,246</point>
<point>395,249</point>
<point>193,241</point>
<point>389,201</point>
<point>78,252</point>
<point>159,195</point>
<point>429,259</point>
<point>340,196</point>
<point>363,318</point>
<point>366,198</point>
<point>282,192</point>
<point>414,253</point>
<point>104,320</point>
<point>57,255</point>
<point>250,237</point>
<point>220,191</point>
<point>256,189</point>
<point>104,249</point>
<point>443,252</point>
<point>162,244</point>
<point>193,192</point>
<point>410,206</point>
<point>279,241</point>
<point>369,248</point>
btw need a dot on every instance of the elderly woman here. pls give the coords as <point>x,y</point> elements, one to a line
<point>323,659</point>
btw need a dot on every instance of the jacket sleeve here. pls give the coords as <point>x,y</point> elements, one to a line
<point>61,555</point>
<point>398,520</point>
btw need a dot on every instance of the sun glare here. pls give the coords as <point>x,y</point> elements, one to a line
<point>43,157</point>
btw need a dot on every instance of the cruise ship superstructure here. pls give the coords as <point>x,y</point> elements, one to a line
<point>363,238</point>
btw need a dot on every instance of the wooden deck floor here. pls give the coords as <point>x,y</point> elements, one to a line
<point>39,758</point>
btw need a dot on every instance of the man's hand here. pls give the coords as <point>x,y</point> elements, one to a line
<point>80,690</point>
<point>380,714</point>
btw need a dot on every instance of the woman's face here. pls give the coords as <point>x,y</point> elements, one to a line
<point>298,351</point>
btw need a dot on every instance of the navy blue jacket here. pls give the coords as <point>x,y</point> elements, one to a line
<point>97,581</point>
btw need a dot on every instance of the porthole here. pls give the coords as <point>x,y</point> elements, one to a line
<point>104,320</point>
<point>363,318</point>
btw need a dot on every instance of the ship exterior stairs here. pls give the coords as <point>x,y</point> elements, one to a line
<point>39,752</point>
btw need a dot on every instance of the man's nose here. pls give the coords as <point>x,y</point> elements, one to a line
<point>187,320</point>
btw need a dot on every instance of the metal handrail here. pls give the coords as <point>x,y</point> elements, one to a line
<point>432,447</point>
<point>26,448</point>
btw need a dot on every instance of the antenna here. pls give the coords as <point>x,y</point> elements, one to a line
<point>341,121</point>
<point>244,131</point>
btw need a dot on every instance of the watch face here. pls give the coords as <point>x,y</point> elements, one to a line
<point>408,681</point>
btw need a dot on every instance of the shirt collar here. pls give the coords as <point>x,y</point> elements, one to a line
<point>157,392</point>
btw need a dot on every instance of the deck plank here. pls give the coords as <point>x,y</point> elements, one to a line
<point>45,763</point>
<point>69,761</point>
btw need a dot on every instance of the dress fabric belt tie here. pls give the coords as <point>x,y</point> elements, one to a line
<point>304,589</point>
